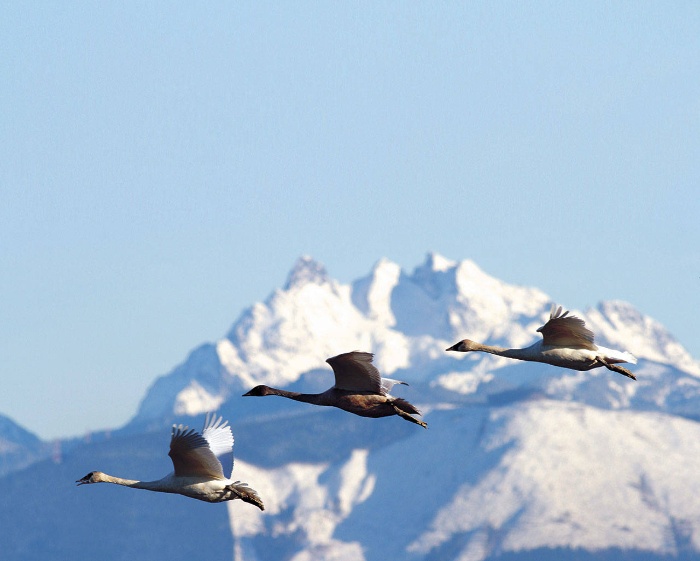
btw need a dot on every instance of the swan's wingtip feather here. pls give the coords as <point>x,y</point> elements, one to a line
<point>554,311</point>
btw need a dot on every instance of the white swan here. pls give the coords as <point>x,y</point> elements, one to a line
<point>198,470</point>
<point>566,342</point>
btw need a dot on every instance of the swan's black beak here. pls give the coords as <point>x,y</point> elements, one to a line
<point>85,480</point>
<point>258,391</point>
<point>454,347</point>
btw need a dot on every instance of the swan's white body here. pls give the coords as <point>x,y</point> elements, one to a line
<point>198,470</point>
<point>576,359</point>
<point>566,342</point>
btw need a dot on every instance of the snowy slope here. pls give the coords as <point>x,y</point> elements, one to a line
<point>484,482</point>
<point>601,480</point>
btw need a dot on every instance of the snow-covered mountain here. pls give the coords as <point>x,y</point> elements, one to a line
<point>521,460</point>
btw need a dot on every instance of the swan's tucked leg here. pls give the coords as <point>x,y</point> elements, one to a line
<point>616,368</point>
<point>406,416</point>
<point>247,494</point>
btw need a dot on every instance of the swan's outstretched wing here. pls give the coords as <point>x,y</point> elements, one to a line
<point>354,371</point>
<point>218,435</point>
<point>563,330</point>
<point>191,454</point>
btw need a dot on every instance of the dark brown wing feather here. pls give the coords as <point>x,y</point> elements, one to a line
<point>192,456</point>
<point>563,330</point>
<point>354,371</point>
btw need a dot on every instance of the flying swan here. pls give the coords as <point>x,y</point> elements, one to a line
<point>566,342</point>
<point>358,389</point>
<point>198,473</point>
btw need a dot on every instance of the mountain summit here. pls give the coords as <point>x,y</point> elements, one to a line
<point>306,270</point>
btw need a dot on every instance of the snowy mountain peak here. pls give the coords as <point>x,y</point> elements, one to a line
<point>372,294</point>
<point>306,270</point>
<point>436,262</point>
<point>436,276</point>
<point>385,267</point>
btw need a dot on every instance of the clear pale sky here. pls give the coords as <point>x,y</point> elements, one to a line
<point>163,165</point>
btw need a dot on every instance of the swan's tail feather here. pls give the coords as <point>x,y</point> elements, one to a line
<point>247,494</point>
<point>629,357</point>
<point>612,355</point>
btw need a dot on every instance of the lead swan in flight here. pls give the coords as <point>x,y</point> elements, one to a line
<point>199,473</point>
<point>566,342</point>
<point>359,389</point>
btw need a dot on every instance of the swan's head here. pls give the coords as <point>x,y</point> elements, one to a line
<point>92,477</point>
<point>464,346</point>
<point>259,391</point>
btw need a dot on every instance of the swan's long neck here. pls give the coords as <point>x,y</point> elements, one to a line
<point>296,396</point>
<point>134,484</point>
<point>520,354</point>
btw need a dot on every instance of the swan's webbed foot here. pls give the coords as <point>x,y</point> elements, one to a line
<point>616,368</point>
<point>247,494</point>
<point>408,417</point>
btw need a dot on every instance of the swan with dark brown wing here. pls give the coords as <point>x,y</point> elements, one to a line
<point>566,342</point>
<point>358,389</point>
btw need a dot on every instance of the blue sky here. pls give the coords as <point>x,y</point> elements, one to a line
<point>163,167</point>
